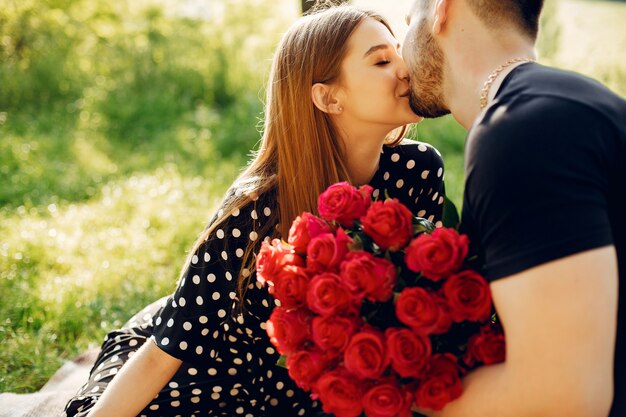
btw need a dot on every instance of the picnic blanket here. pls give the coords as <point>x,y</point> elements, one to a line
<point>50,400</point>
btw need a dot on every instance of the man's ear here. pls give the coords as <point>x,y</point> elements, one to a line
<point>441,14</point>
<point>323,98</point>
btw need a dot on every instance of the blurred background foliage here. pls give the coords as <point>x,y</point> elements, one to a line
<point>118,87</point>
<point>121,125</point>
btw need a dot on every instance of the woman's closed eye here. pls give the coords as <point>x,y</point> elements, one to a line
<point>383,62</point>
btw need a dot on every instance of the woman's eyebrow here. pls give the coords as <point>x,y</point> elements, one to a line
<point>377,48</point>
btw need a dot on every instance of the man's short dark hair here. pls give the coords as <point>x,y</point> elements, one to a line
<point>524,13</point>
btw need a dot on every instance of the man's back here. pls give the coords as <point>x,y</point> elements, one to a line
<point>546,178</point>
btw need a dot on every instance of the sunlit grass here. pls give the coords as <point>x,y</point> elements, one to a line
<point>121,126</point>
<point>70,272</point>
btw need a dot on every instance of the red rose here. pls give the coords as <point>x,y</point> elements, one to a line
<point>304,228</point>
<point>409,351</point>
<point>389,223</point>
<point>445,320</point>
<point>290,287</point>
<point>387,399</point>
<point>486,347</point>
<point>343,203</point>
<point>340,393</point>
<point>332,333</point>
<point>418,309</point>
<point>437,255</point>
<point>441,384</point>
<point>288,330</point>
<point>305,367</point>
<point>468,296</point>
<point>327,296</point>
<point>368,276</point>
<point>272,258</point>
<point>366,356</point>
<point>326,251</point>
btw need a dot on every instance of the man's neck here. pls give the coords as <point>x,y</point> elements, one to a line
<point>467,74</point>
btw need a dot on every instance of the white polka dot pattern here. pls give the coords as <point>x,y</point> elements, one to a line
<point>404,173</point>
<point>229,367</point>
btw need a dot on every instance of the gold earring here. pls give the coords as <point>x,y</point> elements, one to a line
<point>340,109</point>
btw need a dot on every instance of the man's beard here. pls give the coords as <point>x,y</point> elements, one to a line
<point>426,97</point>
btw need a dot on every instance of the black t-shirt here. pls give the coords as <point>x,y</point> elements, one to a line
<point>546,178</point>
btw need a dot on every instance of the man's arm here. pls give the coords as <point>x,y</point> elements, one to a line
<point>560,323</point>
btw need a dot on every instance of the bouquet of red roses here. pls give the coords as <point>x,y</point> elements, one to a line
<point>377,308</point>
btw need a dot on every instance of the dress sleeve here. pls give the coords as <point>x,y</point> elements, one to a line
<point>537,184</point>
<point>199,316</point>
<point>413,173</point>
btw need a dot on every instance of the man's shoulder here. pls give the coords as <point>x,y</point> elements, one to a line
<point>507,128</point>
<point>539,104</point>
<point>543,80</point>
<point>557,90</point>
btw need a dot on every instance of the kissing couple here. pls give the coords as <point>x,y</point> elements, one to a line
<point>544,206</point>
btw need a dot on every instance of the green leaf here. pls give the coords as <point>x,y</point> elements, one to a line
<point>450,214</point>
<point>422,225</point>
<point>282,361</point>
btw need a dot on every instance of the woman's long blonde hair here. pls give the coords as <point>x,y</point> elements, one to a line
<point>301,153</point>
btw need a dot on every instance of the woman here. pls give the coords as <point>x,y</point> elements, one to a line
<point>208,352</point>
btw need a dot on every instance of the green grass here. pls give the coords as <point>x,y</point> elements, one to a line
<point>93,239</point>
<point>111,168</point>
<point>71,271</point>
<point>116,146</point>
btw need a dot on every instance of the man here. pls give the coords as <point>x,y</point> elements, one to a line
<point>545,203</point>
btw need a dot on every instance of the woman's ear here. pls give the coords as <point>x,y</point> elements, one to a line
<point>323,98</point>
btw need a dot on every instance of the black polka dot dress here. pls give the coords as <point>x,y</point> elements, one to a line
<point>229,366</point>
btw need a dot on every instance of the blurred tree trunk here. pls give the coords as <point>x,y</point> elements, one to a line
<point>307,4</point>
